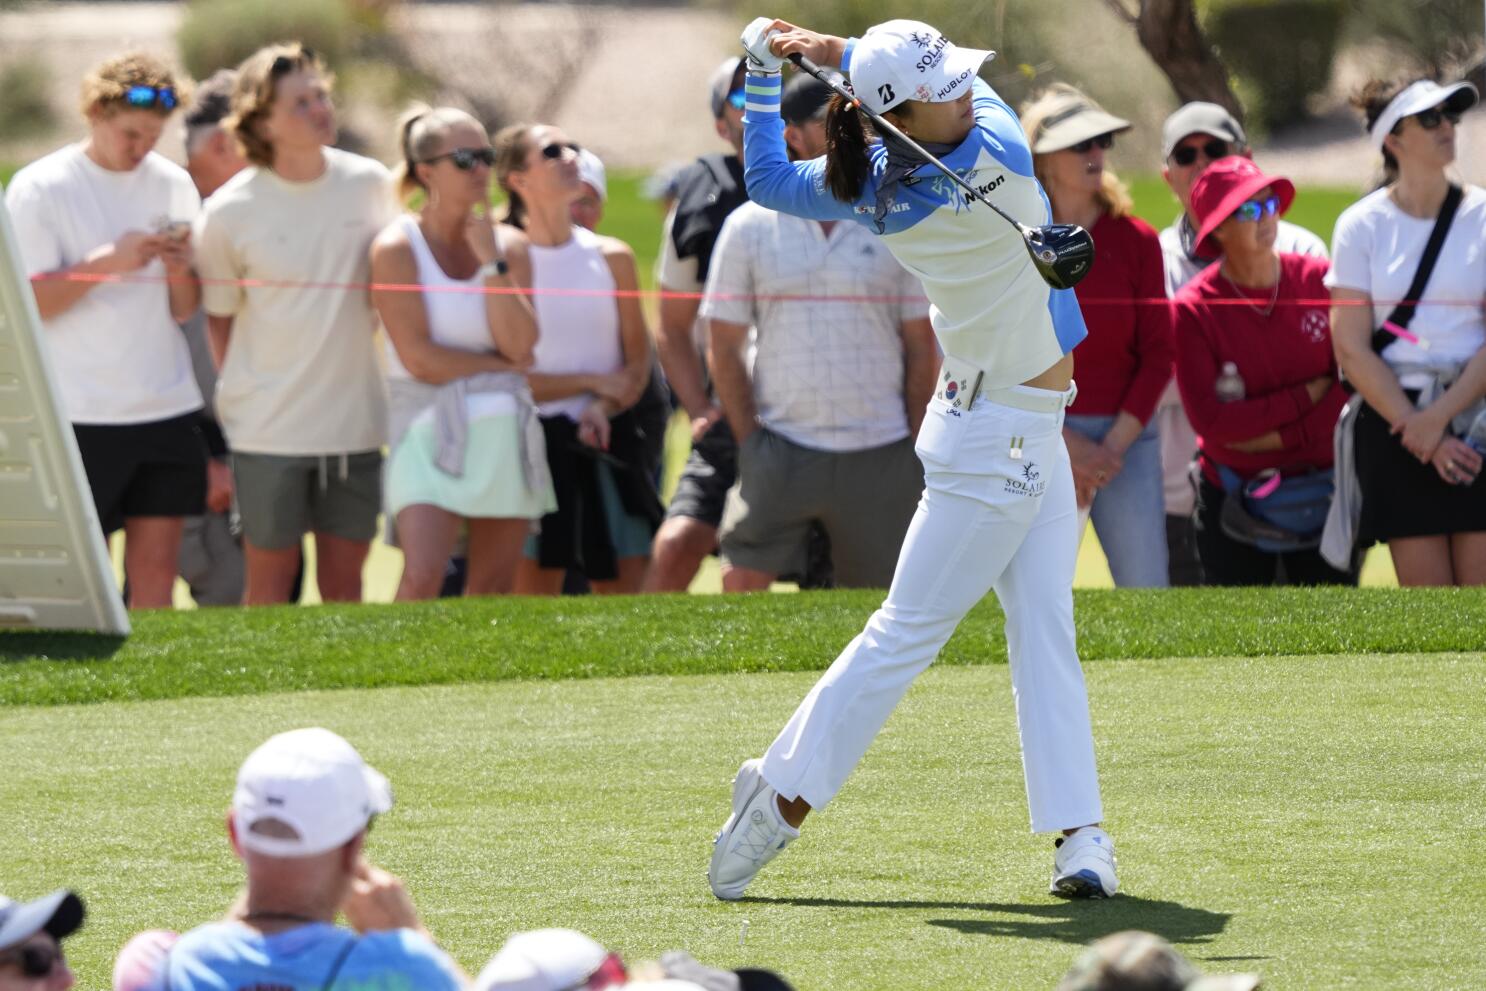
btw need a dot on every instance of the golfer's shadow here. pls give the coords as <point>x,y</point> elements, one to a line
<point>31,645</point>
<point>1077,922</point>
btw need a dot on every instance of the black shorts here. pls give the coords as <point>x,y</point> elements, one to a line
<point>1403,498</point>
<point>144,469</point>
<point>702,491</point>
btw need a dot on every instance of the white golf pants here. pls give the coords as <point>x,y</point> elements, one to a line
<point>997,512</point>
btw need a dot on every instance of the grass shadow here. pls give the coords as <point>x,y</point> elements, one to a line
<point>1076,922</point>
<point>39,645</point>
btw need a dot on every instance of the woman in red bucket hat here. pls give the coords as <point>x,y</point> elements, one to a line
<point>1259,382</point>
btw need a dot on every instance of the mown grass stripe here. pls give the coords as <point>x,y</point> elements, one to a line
<point>242,652</point>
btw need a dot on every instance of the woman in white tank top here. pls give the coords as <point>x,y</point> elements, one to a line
<point>592,363</point>
<point>466,447</point>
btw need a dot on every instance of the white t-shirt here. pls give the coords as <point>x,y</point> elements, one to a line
<point>118,354</point>
<point>827,372</point>
<point>1377,249</point>
<point>301,375</point>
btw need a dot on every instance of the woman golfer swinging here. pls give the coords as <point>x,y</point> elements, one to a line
<point>998,507</point>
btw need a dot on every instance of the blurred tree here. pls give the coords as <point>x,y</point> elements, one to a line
<point>1443,37</point>
<point>1169,32</point>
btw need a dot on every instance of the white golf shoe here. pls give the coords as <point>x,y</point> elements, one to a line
<point>1084,865</point>
<point>753,835</point>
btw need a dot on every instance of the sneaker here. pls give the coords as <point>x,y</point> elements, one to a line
<point>1084,865</point>
<point>753,835</point>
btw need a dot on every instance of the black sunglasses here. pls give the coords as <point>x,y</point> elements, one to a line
<point>465,159</point>
<point>34,960</point>
<point>1214,150</point>
<point>556,148</point>
<point>287,63</point>
<point>1105,141</point>
<point>1435,116</point>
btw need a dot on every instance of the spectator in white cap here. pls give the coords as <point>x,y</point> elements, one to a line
<point>1142,961</point>
<point>31,935</point>
<point>299,819</point>
<point>552,960</point>
<point>1192,138</point>
<point>1420,426</point>
<point>588,209</point>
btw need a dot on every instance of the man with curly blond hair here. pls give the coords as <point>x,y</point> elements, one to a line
<point>104,228</point>
<point>301,396</point>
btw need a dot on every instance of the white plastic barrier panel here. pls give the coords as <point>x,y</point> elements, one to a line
<point>54,567</point>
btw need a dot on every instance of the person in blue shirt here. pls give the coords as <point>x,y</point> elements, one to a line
<point>299,821</point>
<point>998,510</point>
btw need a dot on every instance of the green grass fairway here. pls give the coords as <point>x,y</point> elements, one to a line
<point>1309,818</point>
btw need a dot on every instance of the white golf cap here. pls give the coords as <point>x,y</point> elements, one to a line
<point>591,170</point>
<point>305,792</point>
<point>544,960</point>
<point>1418,97</point>
<point>59,913</point>
<point>909,60</point>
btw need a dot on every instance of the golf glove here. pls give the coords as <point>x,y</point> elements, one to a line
<point>755,40</point>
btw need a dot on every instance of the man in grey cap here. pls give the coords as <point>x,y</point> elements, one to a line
<point>1194,137</point>
<point>706,192</point>
<point>31,935</point>
<point>1142,961</point>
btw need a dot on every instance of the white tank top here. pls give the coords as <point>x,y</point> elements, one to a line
<point>455,319</point>
<point>577,333</point>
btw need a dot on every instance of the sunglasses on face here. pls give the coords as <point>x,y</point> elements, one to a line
<point>150,96</point>
<point>610,974</point>
<point>465,159</point>
<point>1187,154</point>
<point>555,150</point>
<point>737,99</point>
<point>1435,116</point>
<point>34,960</point>
<point>1105,141</point>
<point>1255,210</point>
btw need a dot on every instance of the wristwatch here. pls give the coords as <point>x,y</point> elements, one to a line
<point>495,268</point>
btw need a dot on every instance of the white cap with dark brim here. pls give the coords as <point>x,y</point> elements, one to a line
<point>59,913</point>
<point>1418,97</point>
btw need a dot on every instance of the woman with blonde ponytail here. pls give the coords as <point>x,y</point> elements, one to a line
<point>466,448</point>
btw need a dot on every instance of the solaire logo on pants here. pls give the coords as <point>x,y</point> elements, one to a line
<point>1031,483</point>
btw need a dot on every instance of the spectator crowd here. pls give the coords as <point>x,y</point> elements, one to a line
<point>298,822</point>
<point>286,339</point>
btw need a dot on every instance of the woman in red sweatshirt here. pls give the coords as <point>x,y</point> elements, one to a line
<point>1125,362</point>
<point>1259,382</point>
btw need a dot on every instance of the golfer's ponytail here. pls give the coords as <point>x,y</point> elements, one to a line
<point>847,164</point>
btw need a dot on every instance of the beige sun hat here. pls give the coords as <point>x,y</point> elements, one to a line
<point>1067,117</point>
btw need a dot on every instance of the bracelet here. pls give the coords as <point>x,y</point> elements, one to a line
<point>492,269</point>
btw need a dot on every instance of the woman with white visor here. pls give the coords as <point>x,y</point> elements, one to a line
<point>998,509</point>
<point>1419,435</point>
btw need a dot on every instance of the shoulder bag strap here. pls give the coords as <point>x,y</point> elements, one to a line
<point>340,961</point>
<point>1404,311</point>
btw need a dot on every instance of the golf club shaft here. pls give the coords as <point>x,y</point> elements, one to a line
<point>886,126</point>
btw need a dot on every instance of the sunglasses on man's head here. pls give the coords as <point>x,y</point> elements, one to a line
<point>610,974</point>
<point>465,159</point>
<point>556,148</point>
<point>1105,141</point>
<point>1187,154</point>
<point>287,63</point>
<point>1435,116</point>
<point>150,96</point>
<point>33,960</point>
<point>1254,210</point>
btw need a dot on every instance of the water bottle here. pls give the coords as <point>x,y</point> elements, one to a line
<point>1230,384</point>
<point>1476,435</point>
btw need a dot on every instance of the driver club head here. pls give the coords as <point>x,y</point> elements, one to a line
<point>1062,253</point>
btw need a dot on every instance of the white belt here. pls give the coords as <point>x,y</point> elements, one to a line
<point>1033,400</point>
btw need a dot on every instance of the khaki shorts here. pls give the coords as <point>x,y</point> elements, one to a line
<point>282,497</point>
<point>863,499</point>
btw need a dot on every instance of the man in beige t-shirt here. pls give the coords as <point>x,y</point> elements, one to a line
<point>301,396</point>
